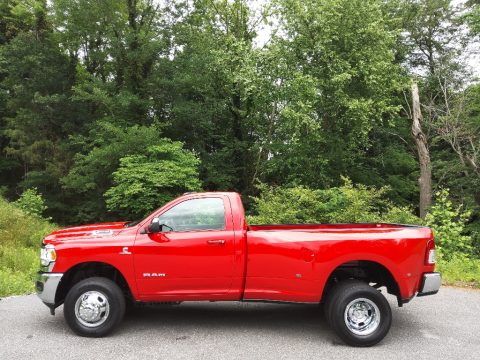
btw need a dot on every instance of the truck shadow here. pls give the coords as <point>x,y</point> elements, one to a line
<point>300,321</point>
<point>231,316</point>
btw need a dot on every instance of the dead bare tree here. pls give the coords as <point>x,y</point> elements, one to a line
<point>425,179</point>
<point>452,127</point>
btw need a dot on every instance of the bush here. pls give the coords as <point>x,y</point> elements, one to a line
<point>459,270</point>
<point>345,204</point>
<point>448,224</point>
<point>20,229</point>
<point>31,202</point>
<point>144,182</point>
<point>21,234</point>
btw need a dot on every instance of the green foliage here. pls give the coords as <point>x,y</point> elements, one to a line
<point>106,145</point>
<point>144,182</point>
<point>20,238</point>
<point>92,173</point>
<point>329,41</point>
<point>473,230</point>
<point>18,267</point>
<point>18,16</point>
<point>217,91</point>
<point>18,228</point>
<point>459,270</point>
<point>22,259</point>
<point>473,17</point>
<point>448,224</point>
<point>31,202</point>
<point>67,68</point>
<point>344,204</point>
<point>16,283</point>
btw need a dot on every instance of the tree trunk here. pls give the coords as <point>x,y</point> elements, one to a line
<point>425,180</point>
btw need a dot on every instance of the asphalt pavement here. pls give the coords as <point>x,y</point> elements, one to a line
<point>443,326</point>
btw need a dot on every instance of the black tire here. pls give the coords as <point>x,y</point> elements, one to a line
<point>327,306</point>
<point>346,294</point>
<point>109,294</point>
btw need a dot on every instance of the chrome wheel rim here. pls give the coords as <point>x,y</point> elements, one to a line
<point>92,309</point>
<point>362,316</point>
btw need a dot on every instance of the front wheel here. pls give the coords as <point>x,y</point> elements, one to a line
<point>358,313</point>
<point>94,307</point>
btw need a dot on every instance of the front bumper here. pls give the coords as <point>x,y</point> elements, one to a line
<point>431,283</point>
<point>46,285</point>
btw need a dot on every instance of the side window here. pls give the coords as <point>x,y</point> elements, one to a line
<point>195,214</point>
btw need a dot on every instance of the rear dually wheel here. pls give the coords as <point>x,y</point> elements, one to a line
<point>358,313</point>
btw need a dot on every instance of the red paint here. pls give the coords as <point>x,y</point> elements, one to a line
<point>271,262</point>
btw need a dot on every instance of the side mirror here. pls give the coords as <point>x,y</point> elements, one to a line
<point>154,227</point>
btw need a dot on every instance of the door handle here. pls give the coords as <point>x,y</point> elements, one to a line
<point>216,242</point>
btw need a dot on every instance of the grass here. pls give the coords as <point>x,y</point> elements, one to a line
<point>460,271</point>
<point>21,235</point>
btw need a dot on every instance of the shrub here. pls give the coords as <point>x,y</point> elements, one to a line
<point>345,204</point>
<point>448,224</point>
<point>31,202</point>
<point>143,182</point>
<point>18,228</point>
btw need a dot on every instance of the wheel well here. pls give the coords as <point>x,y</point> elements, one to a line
<point>90,269</point>
<point>369,271</point>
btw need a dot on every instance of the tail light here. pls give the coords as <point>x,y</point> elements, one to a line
<point>430,254</point>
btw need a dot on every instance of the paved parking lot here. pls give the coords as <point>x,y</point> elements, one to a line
<point>444,326</point>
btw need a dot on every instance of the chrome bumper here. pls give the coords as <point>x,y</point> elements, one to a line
<point>46,285</point>
<point>431,283</point>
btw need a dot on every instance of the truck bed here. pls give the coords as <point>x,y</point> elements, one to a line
<point>294,261</point>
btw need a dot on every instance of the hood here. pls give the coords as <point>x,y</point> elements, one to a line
<point>87,231</point>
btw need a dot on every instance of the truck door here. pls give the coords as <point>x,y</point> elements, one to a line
<point>193,256</point>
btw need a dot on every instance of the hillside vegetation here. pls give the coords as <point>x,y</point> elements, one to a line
<point>21,235</point>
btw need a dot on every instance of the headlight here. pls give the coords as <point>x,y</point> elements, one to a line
<point>47,255</point>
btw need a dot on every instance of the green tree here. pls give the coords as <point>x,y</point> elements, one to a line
<point>18,16</point>
<point>213,101</point>
<point>118,44</point>
<point>99,157</point>
<point>144,182</point>
<point>37,116</point>
<point>345,50</point>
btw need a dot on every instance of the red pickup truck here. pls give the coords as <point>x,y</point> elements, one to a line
<point>199,247</point>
